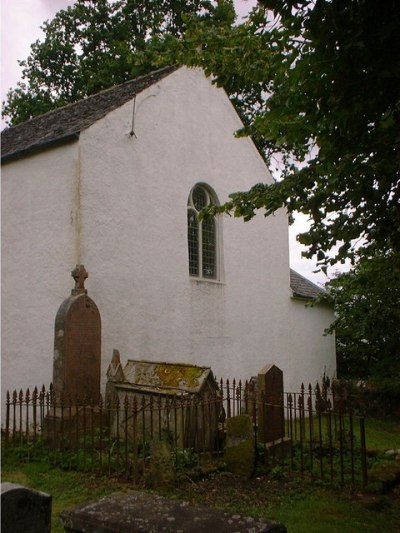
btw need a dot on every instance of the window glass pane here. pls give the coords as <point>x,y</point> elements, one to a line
<point>209,248</point>
<point>193,243</point>
<point>199,197</point>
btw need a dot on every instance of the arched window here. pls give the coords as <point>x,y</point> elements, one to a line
<point>202,235</point>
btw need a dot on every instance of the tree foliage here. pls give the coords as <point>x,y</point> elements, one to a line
<point>319,85</point>
<point>93,45</point>
<point>367,318</point>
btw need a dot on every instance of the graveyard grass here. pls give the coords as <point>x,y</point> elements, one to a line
<point>299,504</point>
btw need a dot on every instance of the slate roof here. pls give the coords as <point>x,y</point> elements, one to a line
<point>303,288</point>
<point>65,123</point>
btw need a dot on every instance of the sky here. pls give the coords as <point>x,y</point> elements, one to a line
<point>20,26</point>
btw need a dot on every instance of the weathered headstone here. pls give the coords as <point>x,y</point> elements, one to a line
<point>77,343</point>
<point>271,425</point>
<point>24,510</point>
<point>114,374</point>
<point>162,473</point>
<point>240,445</point>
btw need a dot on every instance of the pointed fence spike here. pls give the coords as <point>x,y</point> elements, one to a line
<point>299,401</point>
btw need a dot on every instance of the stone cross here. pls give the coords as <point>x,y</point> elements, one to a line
<point>79,274</point>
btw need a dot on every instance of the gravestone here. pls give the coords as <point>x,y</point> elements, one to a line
<point>240,446</point>
<point>24,510</point>
<point>77,343</point>
<point>270,403</point>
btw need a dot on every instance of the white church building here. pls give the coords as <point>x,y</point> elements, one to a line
<point>115,182</point>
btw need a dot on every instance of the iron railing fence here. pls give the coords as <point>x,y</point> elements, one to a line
<point>321,437</point>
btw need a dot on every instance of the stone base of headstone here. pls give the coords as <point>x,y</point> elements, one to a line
<point>143,512</point>
<point>240,446</point>
<point>24,510</point>
<point>71,424</point>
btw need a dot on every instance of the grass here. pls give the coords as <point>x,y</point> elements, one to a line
<point>302,505</point>
<point>66,488</point>
<point>318,511</point>
<point>382,434</point>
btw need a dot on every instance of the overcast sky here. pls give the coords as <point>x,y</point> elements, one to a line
<point>20,26</point>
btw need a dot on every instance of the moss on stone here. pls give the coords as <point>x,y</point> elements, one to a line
<point>239,426</point>
<point>385,475</point>
<point>178,376</point>
<point>240,451</point>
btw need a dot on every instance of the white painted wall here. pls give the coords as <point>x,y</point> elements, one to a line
<point>310,352</point>
<point>131,195</point>
<point>38,222</point>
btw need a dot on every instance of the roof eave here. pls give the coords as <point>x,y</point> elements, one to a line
<point>35,148</point>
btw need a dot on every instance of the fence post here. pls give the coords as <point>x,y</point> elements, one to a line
<point>7,435</point>
<point>34,412</point>
<point>329,423</point>
<point>20,403</point>
<point>341,438</point>
<point>101,432</point>
<point>126,414</point>
<point>228,400</point>
<point>319,408</point>
<point>135,438</point>
<point>350,409</point>
<point>27,402</point>
<point>363,453</point>
<point>310,424</point>
<point>239,397</point>
<point>234,396</point>
<point>299,401</point>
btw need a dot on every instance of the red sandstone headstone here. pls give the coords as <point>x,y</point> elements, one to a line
<point>270,403</point>
<point>77,343</point>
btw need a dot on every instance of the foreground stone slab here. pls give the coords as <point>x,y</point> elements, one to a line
<point>24,510</point>
<point>140,512</point>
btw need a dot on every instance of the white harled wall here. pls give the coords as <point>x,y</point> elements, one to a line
<point>128,197</point>
<point>39,225</point>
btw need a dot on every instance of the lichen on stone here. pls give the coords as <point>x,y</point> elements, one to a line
<point>178,376</point>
